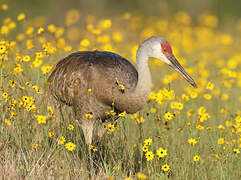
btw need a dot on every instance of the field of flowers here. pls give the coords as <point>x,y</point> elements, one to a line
<point>182,133</point>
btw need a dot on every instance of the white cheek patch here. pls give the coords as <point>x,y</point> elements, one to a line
<point>157,53</point>
<point>164,59</point>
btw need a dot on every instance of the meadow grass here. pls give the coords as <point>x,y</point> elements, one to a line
<point>33,142</point>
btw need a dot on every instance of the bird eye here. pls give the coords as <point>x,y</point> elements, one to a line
<point>166,47</point>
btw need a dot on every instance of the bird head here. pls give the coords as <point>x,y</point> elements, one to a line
<point>160,48</point>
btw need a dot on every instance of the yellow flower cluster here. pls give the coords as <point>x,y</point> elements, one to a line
<point>41,119</point>
<point>162,95</point>
<point>29,48</point>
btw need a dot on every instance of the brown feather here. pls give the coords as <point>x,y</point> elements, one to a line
<point>97,70</point>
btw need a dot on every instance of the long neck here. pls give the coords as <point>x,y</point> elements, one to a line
<point>144,83</point>
<point>135,100</point>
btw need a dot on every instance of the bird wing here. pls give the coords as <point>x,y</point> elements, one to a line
<point>96,70</point>
<point>111,66</point>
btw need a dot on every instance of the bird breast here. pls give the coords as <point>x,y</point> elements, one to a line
<point>99,71</point>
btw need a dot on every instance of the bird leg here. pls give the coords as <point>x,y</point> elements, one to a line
<point>87,126</point>
<point>103,129</point>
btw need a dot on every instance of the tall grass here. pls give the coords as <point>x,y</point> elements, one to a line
<point>30,149</point>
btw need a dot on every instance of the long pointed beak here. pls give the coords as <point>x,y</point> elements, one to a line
<point>177,66</point>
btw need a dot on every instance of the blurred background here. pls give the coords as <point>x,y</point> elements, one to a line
<point>55,10</point>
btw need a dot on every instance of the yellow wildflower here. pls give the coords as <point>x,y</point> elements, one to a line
<point>35,87</point>
<point>40,30</point>
<point>51,28</point>
<point>149,155</point>
<point>224,97</point>
<point>168,116</point>
<point>51,133</point>
<point>25,99</point>
<point>12,83</point>
<point>228,123</point>
<point>185,97</point>
<point>105,24</point>
<point>110,127</point>
<point>148,141</point>
<point>30,107</point>
<point>21,17</point>
<point>209,86</point>
<point>179,106</point>
<point>207,96</point>
<point>7,122</point>
<point>196,158</point>
<point>223,111</point>
<point>189,112</point>
<point>29,31</point>
<point>123,114</point>
<point>145,148</point>
<point>85,43</point>
<point>90,91</point>
<point>5,95</point>
<point>133,116</point>
<point>70,127</point>
<point>111,112</point>
<point>220,140</point>
<point>121,86</point>
<point>89,115</point>
<point>46,68</point>
<point>200,127</point>
<point>193,95</point>
<point>192,141</point>
<point>37,62</point>
<point>204,117</point>
<point>28,84</point>
<point>18,68</point>
<point>20,37</point>
<point>13,114</point>
<point>140,120</point>
<point>165,168</point>
<point>50,110</point>
<point>2,48</point>
<point>4,7</point>
<point>4,30</point>
<point>41,119</point>
<point>201,110</point>
<point>153,110</point>
<point>70,146</point>
<point>93,148</point>
<point>237,151</point>
<point>139,175</point>
<point>176,105</point>
<point>161,153</point>
<point>221,127</point>
<point>61,140</point>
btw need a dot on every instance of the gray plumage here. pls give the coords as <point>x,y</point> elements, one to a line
<point>95,70</point>
<point>98,70</point>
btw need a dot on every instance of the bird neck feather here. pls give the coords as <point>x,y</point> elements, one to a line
<point>134,101</point>
<point>143,87</point>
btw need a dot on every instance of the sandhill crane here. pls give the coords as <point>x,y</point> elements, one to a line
<point>74,76</point>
